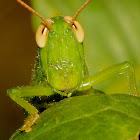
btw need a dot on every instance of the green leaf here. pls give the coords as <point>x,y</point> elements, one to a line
<point>95,117</point>
<point>111,33</point>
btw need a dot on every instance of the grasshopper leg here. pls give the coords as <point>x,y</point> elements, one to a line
<point>17,94</point>
<point>110,72</point>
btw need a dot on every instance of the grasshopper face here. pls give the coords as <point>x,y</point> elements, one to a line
<point>62,57</point>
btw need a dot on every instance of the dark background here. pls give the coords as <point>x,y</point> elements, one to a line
<point>17,56</point>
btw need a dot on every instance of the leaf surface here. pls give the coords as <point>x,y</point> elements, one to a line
<point>108,117</point>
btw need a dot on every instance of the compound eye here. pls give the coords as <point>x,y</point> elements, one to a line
<point>41,35</point>
<point>76,27</point>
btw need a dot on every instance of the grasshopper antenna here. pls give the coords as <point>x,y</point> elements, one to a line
<point>79,11</point>
<point>47,24</point>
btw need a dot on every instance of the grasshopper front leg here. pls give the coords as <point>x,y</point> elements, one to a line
<point>110,72</point>
<point>16,95</point>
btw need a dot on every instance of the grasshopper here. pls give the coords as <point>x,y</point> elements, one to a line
<point>60,66</point>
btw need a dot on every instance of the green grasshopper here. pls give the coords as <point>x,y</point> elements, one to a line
<point>60,66</point>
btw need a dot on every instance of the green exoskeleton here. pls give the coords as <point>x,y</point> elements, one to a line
<point>60,66</point>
